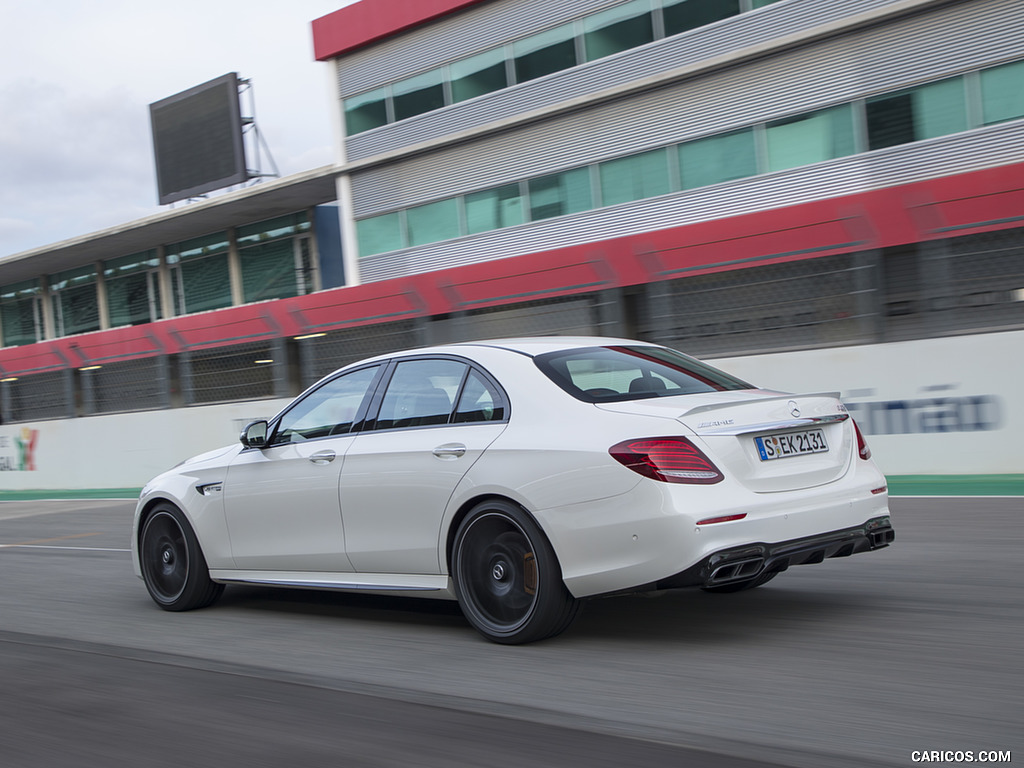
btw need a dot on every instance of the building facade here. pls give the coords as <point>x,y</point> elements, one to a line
<point>794,187</point>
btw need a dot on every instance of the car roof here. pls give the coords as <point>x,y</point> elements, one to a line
<point>539,345</point>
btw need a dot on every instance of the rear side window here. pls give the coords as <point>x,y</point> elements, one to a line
<point>610,374</point>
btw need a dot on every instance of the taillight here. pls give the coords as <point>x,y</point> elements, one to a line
<point>862,445</point>
<point>668,459</point>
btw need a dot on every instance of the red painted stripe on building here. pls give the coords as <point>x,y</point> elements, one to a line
<point>970,203</point>
<point>369,21</point>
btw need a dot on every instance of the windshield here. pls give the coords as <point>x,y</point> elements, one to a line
<point>612,374</point>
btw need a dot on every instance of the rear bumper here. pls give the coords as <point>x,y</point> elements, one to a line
<point>738,564</point>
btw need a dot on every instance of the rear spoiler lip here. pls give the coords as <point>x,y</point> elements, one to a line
<point>775,426</point>
<point>718,428</point>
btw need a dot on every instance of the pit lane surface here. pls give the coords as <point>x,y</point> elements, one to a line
<point>857,661</point>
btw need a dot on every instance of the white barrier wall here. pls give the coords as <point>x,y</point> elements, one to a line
<point>933,407</point>
<point>949,406</point>
<point>122,450</point>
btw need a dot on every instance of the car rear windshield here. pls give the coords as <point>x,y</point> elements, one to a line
<point>612,374</point>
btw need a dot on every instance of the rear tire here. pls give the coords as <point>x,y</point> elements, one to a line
<point>173,566</point>
<point>507,578</point>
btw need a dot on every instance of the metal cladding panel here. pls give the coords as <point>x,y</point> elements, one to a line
<point>737,35</point>
<point>455,37</point>
<point>973,150</point>
<point>832,72</point>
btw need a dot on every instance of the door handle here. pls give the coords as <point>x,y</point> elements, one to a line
<point>323,457</point>
<point>449,450</point>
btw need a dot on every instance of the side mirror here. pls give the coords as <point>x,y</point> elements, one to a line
<point>254,435</point>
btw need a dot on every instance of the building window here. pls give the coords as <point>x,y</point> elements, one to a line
<point>478,75</point>
<point>75,303</point>
<point>379,234</point>
<point>494,209</point>
<point>1002,93</point>
<point>922,113</point>
<point>200,276</point>
<point>618,29</point>
<point>560,194</point>
<point>684,15</point>
<point>810,138</point>
<point>542,54</point>
<point>432,222</point>
<point>717,158</point>
<point>21,313</point>
<point>133,289</point>
<point>366,111</point>
<point>271,257</point>
<point>419,94</point>
<point>635,177</point>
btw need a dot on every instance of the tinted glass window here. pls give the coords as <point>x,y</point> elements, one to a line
<point>379,234</point>
<point>682,15</point>
<point>810,138</point>
<point>419,94</point>
<point>432,222</point>
<point>717,158</point>
<point>618,29</point>
<point>478,75</point>
<point>479,401</point>
<point>545,53</point>
<point>421,393</point>
<point>327,411</point>
<point>607,374</point>
<point>635,177</point>
<point>366,111</point>
<point>559,194</point>
<point>1002,93</point>
<point>494,208</point>
<point>923,113</point>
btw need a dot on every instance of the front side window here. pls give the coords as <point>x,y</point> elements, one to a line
<point>328,411</point>
<point>613,374</point>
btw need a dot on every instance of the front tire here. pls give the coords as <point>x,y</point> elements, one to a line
<point>173,566</point>
<point>507,578</point>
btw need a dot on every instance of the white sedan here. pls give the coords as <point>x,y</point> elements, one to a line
<point>518,477</point>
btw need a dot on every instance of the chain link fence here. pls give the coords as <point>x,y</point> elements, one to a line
<point>961,285</point>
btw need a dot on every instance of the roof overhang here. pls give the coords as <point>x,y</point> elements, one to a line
<point>369,21</point>
<point>256,203</point>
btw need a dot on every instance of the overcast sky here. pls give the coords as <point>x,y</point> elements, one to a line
<point>77,79</point>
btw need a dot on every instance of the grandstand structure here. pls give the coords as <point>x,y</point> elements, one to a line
<point>729,177</point>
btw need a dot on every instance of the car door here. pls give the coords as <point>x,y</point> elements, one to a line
<point>281,501</point>
<point>434,420</point>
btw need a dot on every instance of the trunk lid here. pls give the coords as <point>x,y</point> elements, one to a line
<point>768,441</point>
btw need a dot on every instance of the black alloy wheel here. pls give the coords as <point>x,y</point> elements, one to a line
<point>173,566</point>
<point>507,577</point>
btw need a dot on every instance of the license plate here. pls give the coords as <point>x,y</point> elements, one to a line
<point>791,444</point>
